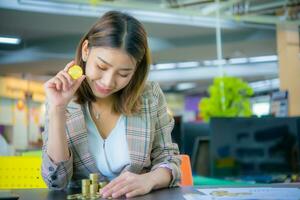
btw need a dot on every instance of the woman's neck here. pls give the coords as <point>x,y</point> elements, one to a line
<point>104,103</point>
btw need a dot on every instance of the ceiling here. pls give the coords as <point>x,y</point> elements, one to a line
<point>178,31</point>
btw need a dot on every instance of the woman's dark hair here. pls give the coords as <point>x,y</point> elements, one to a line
<point>118,30</point>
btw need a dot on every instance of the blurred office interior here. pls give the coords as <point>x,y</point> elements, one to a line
<point>192,43</point>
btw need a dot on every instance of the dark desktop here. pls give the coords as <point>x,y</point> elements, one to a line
<point>262,150</point>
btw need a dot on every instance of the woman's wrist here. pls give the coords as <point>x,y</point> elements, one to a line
<point>150,179</point>
<point>57,109</point>
<point>159,178</point>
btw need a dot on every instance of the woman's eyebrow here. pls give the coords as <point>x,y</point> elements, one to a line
<point>104,61</point>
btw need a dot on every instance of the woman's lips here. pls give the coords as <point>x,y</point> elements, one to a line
<point>102,89</point>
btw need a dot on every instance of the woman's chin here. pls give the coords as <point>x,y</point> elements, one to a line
<point>99,94</point>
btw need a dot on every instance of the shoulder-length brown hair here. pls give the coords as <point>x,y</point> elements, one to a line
<point>118,30</point>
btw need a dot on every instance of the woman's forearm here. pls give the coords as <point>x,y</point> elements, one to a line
<point>57,146</point>
<point>160,177</point>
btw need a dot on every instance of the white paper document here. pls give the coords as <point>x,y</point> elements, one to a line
<point>263,193</point>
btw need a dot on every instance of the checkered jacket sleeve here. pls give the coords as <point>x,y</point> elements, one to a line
<point>164,151</point>
<point>55,175</point>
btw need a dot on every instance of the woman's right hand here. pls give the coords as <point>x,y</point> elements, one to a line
<point>61,88</point>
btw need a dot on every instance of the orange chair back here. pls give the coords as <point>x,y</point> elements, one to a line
<point>186,171</point>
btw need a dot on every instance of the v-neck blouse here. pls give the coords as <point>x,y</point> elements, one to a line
<point>111,154</point>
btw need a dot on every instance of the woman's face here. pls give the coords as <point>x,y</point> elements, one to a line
<point>108,70</point>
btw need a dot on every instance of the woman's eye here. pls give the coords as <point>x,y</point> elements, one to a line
<point>123,75</point>
<point>102,68</point>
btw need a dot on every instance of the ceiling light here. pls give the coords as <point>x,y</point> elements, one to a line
<point>238,60</point>
<point>219,62</point>
<point>187,64</point>
<point>207,62</point>
<point>10,40</point>
<point>165,66</point>
<point>263,58</point>
<point>185,86</point>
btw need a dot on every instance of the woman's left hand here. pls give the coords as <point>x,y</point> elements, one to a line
<point>128,184</point>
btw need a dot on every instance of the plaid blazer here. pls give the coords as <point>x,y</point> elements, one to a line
<point>148,136</point>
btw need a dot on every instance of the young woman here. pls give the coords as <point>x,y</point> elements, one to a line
<point>109,121</point>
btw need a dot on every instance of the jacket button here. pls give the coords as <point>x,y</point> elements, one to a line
<point>51,169</point>
<point>53,177</point>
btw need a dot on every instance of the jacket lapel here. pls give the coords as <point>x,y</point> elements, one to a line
<point>77,133</point>
<point>138,138</point>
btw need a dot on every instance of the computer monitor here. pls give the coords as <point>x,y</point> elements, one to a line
<point>254,147</point>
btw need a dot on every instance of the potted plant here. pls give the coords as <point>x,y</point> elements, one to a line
<point>228,97</point>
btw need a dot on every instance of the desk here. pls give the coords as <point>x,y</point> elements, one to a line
<point>165,194</point>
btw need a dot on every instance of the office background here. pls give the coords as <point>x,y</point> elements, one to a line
<point>191,42</point>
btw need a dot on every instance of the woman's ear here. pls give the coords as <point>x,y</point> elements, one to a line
<point>85,50</point>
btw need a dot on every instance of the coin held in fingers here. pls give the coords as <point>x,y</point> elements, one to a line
<point>75,72</point>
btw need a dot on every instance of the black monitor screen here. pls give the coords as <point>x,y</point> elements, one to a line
<point>254,146</point>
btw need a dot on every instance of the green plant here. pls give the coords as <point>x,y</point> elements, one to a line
<point>228,97</point>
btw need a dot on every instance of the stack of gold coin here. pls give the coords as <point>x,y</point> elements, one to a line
<point>85,187</point>
<point>94,186</point>
<point>90,188</point>
<point>94,178</point>
<point>93,189</point>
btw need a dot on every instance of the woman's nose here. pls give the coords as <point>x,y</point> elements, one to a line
<point>108,80</point>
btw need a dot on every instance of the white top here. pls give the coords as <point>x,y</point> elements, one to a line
<point>111,154</point>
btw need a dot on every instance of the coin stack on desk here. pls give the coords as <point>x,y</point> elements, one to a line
<point>94,185</point>
<point>90,188</point>
<point>85,187</point>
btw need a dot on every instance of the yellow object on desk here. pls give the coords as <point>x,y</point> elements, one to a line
<point>19,172</point>
<point>75,72</point>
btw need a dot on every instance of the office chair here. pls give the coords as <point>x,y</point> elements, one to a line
<point>186,171</point>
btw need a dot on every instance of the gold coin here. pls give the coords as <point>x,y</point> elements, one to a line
<point>85,190</point>
<point>85,181</point>
<point>94,176</point>
<point>93,188</point>
<point>75,72</point>
<point>73,196</point>
<point>95,196</point>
